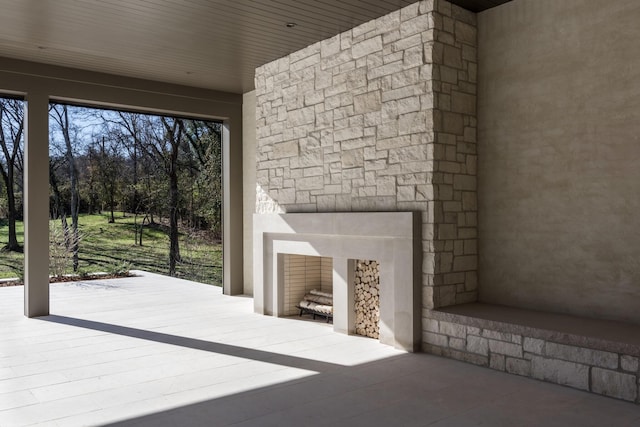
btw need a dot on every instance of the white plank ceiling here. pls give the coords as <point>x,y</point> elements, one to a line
<point>214,44</point>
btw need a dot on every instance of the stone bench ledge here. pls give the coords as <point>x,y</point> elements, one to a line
<point>605,335</point>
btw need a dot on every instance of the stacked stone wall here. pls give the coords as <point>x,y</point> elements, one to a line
<point>381,118</point>
<point>455,219</point>
<point>613,372</point>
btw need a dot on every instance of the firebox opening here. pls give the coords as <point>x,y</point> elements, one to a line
<point>308,282</point>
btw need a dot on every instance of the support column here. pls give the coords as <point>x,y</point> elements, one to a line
<point>36,205</point>
<point>233,283</point>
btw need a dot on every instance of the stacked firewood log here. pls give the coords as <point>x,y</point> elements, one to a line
<point>367,298</point>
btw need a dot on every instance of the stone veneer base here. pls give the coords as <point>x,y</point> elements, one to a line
<point>601,357</point>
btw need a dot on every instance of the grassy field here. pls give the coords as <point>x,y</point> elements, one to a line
<point>109,248</point>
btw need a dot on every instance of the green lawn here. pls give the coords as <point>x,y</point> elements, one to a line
<point>108,247</point>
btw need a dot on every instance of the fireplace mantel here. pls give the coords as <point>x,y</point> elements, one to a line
<point>391,238</point>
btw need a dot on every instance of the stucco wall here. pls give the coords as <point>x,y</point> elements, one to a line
<point>559,156</point>
<point>381,118</point>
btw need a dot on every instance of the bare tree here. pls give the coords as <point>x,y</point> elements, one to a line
<point>174,129</point>
<point>132,131</point>
<point>151,158</point>
<point>160,139</point>
<point>205,143</point>
<point>106,164</point>
<point>11,141</point>
<point>129,129</point>
<point>60,114</point>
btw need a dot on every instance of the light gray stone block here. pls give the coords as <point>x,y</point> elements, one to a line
<point>367,102</point>
<point>497,361</point>
<point>587,356</point>
<point>430,325</point>
<point>348,133</point>
<point>463,103</point>
<point>465,33</point>
<point>353,158</point>
<point>560,372</point>
<point>416,25</point>
<point>408,154</point>
<point>301,116</point>
<point>508,349</point>
<point>330,46</point>
<point>533,345</point>
<point>477,345</point>
<point>465,263</point>
<point>310,183</point>
<point>415,122</point>
<point>408,105</point>
<point>614,384</point>
<point>629,363</point>
<point>406,193</point>
<point>453,329</point>
<point>518,366</point>
<point>435,339</point>
<point>457,343</point>
<point>447,231</point>
<point>285,149</point>
<point>464,182</point>
<point>472,330</point>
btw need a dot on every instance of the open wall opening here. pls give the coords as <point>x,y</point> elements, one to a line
<point>111,206</point>
<point>39,84</point>
<point>134,191</point>
<point>11,189</point>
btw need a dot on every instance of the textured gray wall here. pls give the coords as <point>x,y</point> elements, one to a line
<point>559,156</point>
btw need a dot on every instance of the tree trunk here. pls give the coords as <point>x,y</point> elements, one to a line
<point>112,219</point>
<point>11,148</point>
<point>74,226</point>
<point>174,248</point>
<point>7,176</point>
<point>175,135</point>
<point>12,245</point>
<point>136,202</point>
<point>57,205</point>
<point>73,178</point>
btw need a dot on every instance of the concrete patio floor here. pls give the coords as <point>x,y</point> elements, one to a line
<point>156,351</point>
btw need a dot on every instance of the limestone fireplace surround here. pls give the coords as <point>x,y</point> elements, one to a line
<point>391,238</point>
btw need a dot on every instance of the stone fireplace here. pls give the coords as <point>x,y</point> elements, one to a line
<point>388,237</point>
<point>379,118</point>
